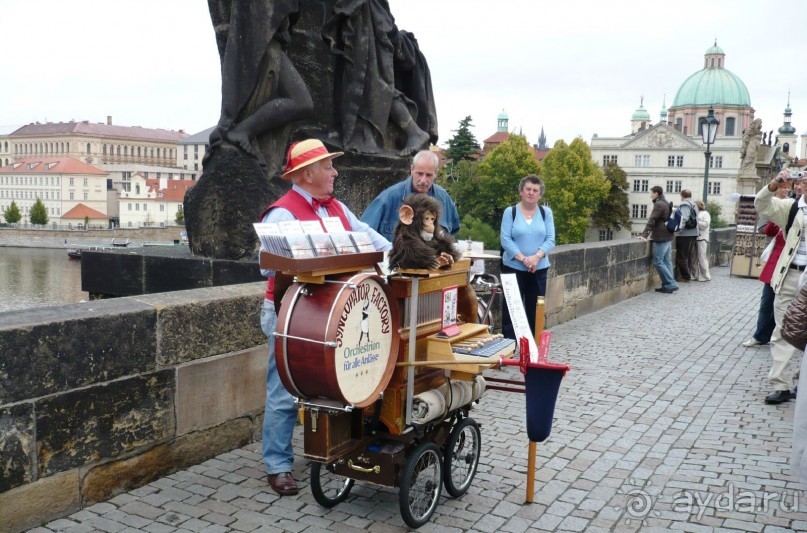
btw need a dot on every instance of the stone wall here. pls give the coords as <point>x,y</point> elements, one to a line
<point>101,397</point>
<point>49,238</point>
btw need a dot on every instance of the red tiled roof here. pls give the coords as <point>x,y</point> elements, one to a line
<point>174,191</point>
<point>89,129</point>
<point>81,212</point>
<point>498,137</point>
<point>50,165</point>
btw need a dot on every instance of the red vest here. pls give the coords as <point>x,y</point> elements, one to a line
<point>298,205</point>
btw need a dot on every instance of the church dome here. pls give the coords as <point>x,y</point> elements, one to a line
<point>641,114</point>
<point>713,85</point>
<point>503,115</point>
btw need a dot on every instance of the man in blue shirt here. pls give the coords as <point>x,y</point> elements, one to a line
<point>382,213</point>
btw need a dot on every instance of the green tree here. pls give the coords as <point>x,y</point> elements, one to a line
<point>494,182</point>
<point>39,213</point>
<point>12,213</point>
<point>575,187</point>
<point>463,145</point>
<point>476,230</point>
<point>715,212</point>
<point>613,212</point>
<point>180,218</point>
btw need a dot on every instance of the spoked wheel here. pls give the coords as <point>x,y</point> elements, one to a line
<point>421,484</point>
<point>328,488</point>
<point>461,457</point>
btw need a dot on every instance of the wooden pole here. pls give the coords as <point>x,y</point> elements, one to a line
<point>532,450</point>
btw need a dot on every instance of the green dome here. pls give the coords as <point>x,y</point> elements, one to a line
<point>715,50</point>
<point>641,114</point>
<point>712,86</point>
<point>503,116</point>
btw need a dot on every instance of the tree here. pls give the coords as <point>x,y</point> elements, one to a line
<point>180,218</point>
<point>493,185</point>
<point>575,187</point>
<point>613,212</point>
<point>39,213</point>
<point>715,211</point>
<point>463,145</point>
<point>12,213</point>
<point>476,230</point>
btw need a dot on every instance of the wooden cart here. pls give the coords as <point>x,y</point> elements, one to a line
<point>358,409</point>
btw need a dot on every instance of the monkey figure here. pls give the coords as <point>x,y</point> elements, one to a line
<point>419,242</point>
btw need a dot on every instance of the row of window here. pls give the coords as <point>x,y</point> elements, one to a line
<point>729,126</point>
<point>24,209</point>
<point>40,148</point>
<point>145,207</point>
<point>24,195</point>
<point>41,181</point>
<point>673,161</point>
<point>127,150</point>
<point>640,210</point>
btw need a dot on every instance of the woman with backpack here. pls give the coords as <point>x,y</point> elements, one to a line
<point>527,237</point>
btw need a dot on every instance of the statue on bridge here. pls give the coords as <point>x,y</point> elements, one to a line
<point>748,152</point>
<point>356,82</point>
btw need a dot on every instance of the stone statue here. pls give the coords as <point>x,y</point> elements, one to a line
<point>382,80</point>
<point>748,151</point>
<point>770,137</point>
<point>335,70</point>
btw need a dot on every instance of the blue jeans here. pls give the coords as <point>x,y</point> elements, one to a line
<point>662,260</point>
<point>765,320</point>
<point>280,415</point>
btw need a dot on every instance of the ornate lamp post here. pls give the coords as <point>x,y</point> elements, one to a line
<point>708,132</point>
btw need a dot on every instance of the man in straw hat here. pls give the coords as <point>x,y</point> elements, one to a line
<point>309,166</point>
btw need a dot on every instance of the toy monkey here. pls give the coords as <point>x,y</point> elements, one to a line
<point>419,242</point>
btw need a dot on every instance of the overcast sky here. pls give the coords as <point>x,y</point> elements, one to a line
<point>574,67</point>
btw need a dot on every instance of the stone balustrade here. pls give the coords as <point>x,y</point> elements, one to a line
<point>103,396</point>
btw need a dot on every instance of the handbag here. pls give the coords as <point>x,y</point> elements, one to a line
<point>766,253</point>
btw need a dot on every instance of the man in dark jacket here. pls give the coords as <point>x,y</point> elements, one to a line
<point>656,228</point>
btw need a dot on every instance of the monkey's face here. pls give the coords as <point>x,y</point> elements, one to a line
<point>427,222</point>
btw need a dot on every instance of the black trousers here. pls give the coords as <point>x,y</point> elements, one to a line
<point>686,256</point>
<point>531,285</point>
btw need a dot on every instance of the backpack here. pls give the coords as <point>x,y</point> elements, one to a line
<point>674,222</point>
<point>513,212</point>
<point>692,221</point>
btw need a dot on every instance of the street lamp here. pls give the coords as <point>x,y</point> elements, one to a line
<point>708,132</point>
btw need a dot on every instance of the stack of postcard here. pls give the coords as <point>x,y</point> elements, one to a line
<point>310,238</point>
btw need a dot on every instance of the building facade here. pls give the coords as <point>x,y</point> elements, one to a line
<point>62,183</point>
<point>152,202</point>
<point>671,152</point>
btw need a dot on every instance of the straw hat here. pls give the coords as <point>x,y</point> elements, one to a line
<point>303,153</point>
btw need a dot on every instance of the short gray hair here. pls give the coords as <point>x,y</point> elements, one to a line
<point>531,178</point>
<point>424,153</point>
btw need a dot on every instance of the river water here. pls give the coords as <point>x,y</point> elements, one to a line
<point>36,277</point>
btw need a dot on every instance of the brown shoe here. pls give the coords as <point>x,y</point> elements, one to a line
<point>283,484</point>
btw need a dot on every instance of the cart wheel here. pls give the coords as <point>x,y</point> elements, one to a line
<point>328,488</point>
<point>421,484</point>
<point>461,457</point>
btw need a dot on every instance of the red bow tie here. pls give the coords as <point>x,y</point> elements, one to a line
<point>325,202</point>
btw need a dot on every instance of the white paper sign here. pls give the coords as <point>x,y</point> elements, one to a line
<point>517,314</point>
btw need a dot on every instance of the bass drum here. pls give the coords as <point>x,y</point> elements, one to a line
<point>338,340</point>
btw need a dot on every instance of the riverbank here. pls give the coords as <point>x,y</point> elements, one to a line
<point>47,238</point>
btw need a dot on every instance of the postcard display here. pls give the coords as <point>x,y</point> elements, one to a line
<point>748,243</point>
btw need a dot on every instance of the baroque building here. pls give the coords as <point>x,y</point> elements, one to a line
<point>671,153</point>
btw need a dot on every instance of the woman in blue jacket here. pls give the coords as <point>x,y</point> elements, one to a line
<point>527,237</point>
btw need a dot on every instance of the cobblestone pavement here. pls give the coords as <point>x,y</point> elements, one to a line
<point>659,426</point>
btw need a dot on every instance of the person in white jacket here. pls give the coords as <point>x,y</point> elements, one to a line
<point>789,214</point>
<point>704,223</point>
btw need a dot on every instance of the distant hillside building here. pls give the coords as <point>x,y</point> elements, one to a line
<point>152,202</point>
<point>62,183</point>
<point>119,150</point>
<point>502,134</point>
<point>191,150</point>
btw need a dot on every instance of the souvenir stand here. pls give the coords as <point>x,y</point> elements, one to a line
<point>748,243</point>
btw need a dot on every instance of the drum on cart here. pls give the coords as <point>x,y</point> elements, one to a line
<point>338,340</point>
